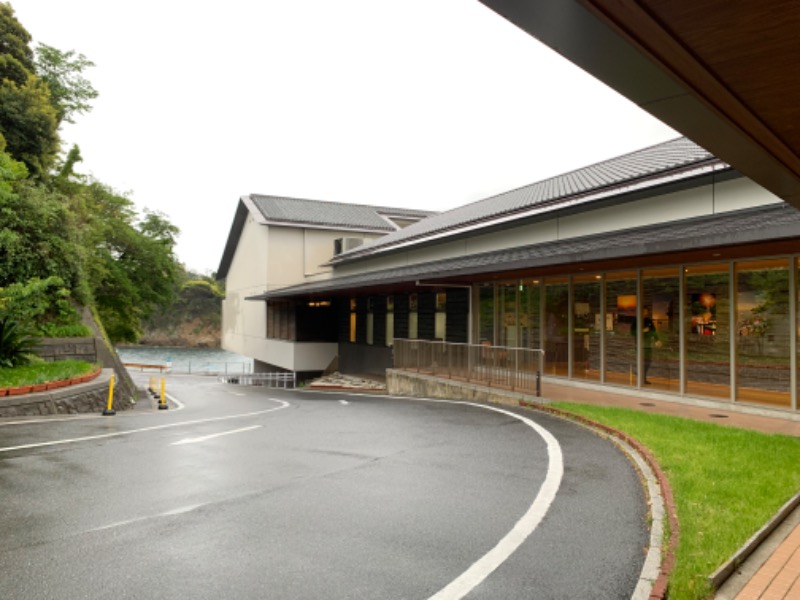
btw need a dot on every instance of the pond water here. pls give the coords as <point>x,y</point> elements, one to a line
<point>210,361</point>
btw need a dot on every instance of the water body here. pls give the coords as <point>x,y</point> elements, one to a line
<point>211,361</point>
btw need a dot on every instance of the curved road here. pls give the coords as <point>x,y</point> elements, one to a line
<point>256,493</point>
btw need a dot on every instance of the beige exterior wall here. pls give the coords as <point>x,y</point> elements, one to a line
<point>244,323</point>
<point>727,196</point>
<point>266,258</point>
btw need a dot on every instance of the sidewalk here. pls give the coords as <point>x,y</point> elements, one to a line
<point>772,572</point>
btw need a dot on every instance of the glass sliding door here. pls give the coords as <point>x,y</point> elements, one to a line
<point>556,319</point>
<point>763,332</point>
<point>707,314</point>
<point>586,326</point>
<point>619,323</point>
<point>661,329</point>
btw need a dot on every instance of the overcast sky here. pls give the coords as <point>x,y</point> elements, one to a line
<point>411,103</point>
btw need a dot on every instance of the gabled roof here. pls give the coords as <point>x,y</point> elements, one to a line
<point>647,168</point>
<point>764,224</point>
<point>280,211</point>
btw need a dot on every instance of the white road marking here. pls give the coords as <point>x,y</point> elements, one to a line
<point>484,566</point>
<point>344,402</point>
<point>214,435</point>
<point>170,513</point>
<point>283,404</point>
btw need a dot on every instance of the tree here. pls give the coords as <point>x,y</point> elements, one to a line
<point>132,266</point>
<point>16,56</point>
<point>63,71</point>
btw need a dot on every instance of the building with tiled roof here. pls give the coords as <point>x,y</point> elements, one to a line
<point>274,242</point>
<point>669,236</point>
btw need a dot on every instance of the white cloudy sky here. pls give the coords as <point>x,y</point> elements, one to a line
<point>412,103</point>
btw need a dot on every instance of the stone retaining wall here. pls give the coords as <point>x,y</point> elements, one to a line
<point>78,398</point>
<point>404,383</point>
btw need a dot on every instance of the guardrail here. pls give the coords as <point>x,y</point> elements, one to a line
<point>282,380</point>
<point>495,366</point>
<point>191,367</point>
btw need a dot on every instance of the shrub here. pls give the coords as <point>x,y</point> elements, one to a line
<point>16,347</point>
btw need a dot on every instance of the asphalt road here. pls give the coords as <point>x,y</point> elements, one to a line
<point>256,493</point>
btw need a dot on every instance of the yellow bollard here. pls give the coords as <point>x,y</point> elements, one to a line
<point>109,411</point>
<point>162,405</point>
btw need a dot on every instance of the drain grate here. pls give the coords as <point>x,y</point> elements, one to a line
<point>718,416</point>
<point>646,404</point>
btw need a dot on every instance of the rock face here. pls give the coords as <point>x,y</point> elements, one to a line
<point>195,333</point>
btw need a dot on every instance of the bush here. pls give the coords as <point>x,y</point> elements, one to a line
<point>16,347</point>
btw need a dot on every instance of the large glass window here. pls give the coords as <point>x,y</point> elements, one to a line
<point>486,314</point>
<point>762,341</point>
<point>661,329</point>
<point>556,318</point>
<point>507,295</point>
<point>529,314</point>
<point>708,316</point>
<point>621,302</point>
<point>586,324</point>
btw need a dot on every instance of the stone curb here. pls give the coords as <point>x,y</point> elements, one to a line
<point>661,583</point>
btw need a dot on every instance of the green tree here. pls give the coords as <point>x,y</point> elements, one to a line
<point>29,123</point>
<point>16,56</point>
<point>70,91</point>
<point>132,266</point>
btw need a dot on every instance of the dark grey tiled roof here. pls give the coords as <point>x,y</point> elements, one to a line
<point>278,209</point>
<point>773,222</point>
<point>623,170</point>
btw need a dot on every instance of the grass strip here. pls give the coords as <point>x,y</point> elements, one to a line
<point>727,483</point>
<point>44,372</point>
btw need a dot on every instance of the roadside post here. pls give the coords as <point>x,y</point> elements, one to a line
<point>109,411</point>
<point>162,405</point>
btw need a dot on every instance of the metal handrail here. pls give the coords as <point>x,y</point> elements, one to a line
<point>495,366</point>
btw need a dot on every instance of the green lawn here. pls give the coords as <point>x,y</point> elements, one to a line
<point>44,372</point>
<point>727,484</point>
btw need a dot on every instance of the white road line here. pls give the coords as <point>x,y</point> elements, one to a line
<point>283,404</point>
<point>484,566</point>
<point>343,402</point>
<point>214,435</point>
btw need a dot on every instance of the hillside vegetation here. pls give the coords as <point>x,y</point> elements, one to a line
<point>67,240</point>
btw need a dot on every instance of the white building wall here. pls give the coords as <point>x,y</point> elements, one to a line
<point>244,322</point>
<point>266,258</point>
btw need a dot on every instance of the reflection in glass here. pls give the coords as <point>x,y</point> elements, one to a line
<point>507,296</point>
<point>661,334</point>
<point>707,313</point>
<point>529,312</point>
<point>620,332</point>
<point>556,319</point>
<point>586,324</point>
<point>486,314</point>
<point>762,336</point>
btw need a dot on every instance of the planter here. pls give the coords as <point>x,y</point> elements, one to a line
<point>20,390</point>
<point>53,385</point>
<point>3,392</point>
<point>38,387</point>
